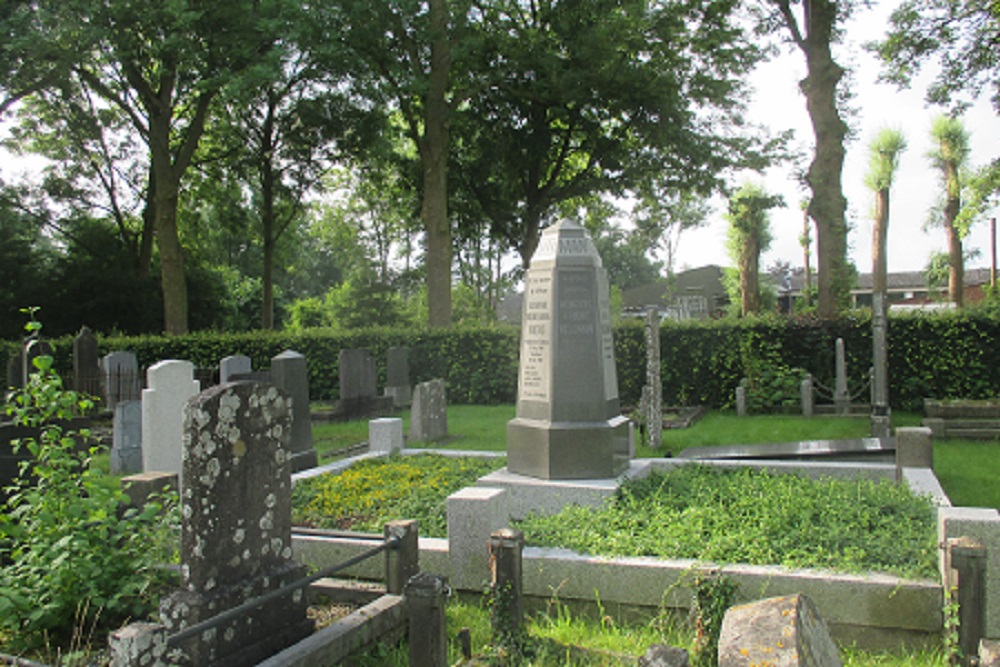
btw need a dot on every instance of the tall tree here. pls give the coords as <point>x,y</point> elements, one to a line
<point>883,159</point>
<point>950,155</point>
<point>812,27</point>
<point>961,36</point>
<point>163,70</point>
<point>749,235</point>
<point>575,99</point>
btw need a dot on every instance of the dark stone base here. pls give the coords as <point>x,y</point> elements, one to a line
<point>300,461</point>
<point>247,639</point>
<point>568,450</point>
<point>357,408</point>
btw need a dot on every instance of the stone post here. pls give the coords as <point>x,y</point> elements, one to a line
<point>967,576</point>
<point>841,393</point>
<point>807,396</point>
<point>741,398</point>
<point>654,403</point>
<point>290,372</point>
<point>426,596</point>
<point>402,562</point>
<point>506,576</point>
<point>234,364</point>
<point>914,449</point>
<point>138,644</point>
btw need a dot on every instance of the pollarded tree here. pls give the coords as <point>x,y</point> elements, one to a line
<point>950,155</point>
<point>813,29</point>
<point>961,36</point>
<point>883,159</point>
<point>750,235</point>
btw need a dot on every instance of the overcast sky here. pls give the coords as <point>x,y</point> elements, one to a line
<point>778,103</point>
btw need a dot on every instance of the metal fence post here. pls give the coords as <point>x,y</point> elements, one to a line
<point>426,595</point>
<point>403,561</point>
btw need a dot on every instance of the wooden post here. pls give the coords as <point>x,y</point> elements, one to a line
<point>426,596</point>
<point>967,558</point>
<point>402,562</point>
<point>507,613</point>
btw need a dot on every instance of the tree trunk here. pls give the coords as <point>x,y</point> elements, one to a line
<point>827,205</point>
<point>956,262</point>
<point>166,187</point>
<point>879,232</point>
<point>268,231</point>
<point>805,252</point>
<point>749,277</point>
<point>434,159</point>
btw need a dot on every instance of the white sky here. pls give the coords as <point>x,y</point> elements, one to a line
<point>778,104</point>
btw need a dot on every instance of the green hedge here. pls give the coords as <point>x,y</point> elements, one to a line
<point>945,355</point>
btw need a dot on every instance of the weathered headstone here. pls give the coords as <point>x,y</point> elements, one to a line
<point>429,414</point>
<point>568,423</point>
<point>661,655</point>
<point>126,439</point>
<point>235,364</point>
<point>290,373</point>
<point>989,653</point>
<point>236,527</point>
<point>654,393</point>
<point>171,383</point>
<point>741,398</point>
<point>807,396</point>
<point>120,378</point>
<point>783,632</point>
<point>397,376</point>
<point>86,363</point>
<point>358,380</point>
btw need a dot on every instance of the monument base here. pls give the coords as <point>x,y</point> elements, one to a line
<point>568,450</point>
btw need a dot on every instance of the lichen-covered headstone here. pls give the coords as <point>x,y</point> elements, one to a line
<point>429,414</point>
<point>236,526</point>
<point>171,384</point>
<point>781,632</point>
<point>290,372</point>
<point>653,415</point>
<point>86,363</point>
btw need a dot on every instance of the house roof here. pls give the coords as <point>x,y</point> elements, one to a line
<point>898,280</point>
<point>703,281</point>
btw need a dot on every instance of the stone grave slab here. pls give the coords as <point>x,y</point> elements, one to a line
<point>784,631</point>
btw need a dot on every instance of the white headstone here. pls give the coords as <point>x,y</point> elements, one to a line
<point>385,436</point>
<point>171,384</point>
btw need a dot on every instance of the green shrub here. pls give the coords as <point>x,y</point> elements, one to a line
<point>69,562</point>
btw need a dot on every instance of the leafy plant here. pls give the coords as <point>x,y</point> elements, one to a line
<point>68,560</point>
<point>714,594</point>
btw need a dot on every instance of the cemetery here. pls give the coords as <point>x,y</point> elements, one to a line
<point>265,521</point>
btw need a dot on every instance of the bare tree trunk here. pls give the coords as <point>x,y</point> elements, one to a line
<point>434,158</point>
<point>879,231</point>
<point>956,261</point>
<point>805,252</point>
<point>749,277</point>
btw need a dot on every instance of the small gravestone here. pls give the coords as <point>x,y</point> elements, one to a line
<point>290,373</point>
<point>357,383</point>
<point>568,423</point>
<point>14,372</point>
<point>429,414</point>
<point>661,655</point>
<point>234,365</point>
<point>397,376</point>
<point>841,393</point>
<point>236,527</point>
<point>385,435</point>
<point>120,378</point>
<point>126,439</point>
<point>741,399</point>
<point>783,632</point>
<point>86,363</point>
<point>807,396</point>
<point>171,384</point>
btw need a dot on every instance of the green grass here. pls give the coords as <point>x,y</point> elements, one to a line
<point>968,470</point>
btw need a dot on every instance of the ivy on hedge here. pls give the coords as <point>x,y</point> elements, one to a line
<point>940,355</point>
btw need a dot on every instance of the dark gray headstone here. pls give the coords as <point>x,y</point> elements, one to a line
<point>86,363</point>
<point>126,439</point>
<point>357,375</point>
<point>236,526</point>
<point>429,414</point>
<point>569,423</point>
<point>120,378</point>
<point>397,376</point>
<point>783,631</point>
<point>290,373</point>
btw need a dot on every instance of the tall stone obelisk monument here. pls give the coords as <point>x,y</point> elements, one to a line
<point>568,424</point>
